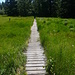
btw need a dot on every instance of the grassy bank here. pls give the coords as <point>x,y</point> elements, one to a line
<point>58,39</point>
<point>14,35</point>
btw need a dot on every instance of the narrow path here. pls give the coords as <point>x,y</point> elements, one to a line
<point>35,54</point>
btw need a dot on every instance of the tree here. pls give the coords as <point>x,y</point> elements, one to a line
<point>44,8</point>
<point>58,7</point>
<point>2,5</point>
<point>11,7</point>
<point>68,8</point>
<point>24,7</point>
<point>41,7</point>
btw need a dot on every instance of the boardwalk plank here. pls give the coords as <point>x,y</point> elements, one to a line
<point>35,64</point>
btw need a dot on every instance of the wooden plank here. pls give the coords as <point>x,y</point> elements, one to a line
<point>39,53</point>
<point>35,54</point>
<point>35,65</point>
<point>36,72</point>
<point>35,62</point>
<point>35,68</point>
<point>31,52</point>
<point>35,59</point>
<point>35,50</point>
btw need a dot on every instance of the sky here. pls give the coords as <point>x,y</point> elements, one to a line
<point>2,1</point>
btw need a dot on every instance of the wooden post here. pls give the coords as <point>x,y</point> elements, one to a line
<point>9,19</point>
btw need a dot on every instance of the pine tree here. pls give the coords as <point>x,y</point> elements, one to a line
<point>68,8</point>
<point>11,7</point>
<point>24,7</point>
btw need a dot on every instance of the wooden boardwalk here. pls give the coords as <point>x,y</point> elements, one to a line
<point>35,54</point>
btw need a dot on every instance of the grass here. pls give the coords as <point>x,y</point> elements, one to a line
<point>58,39</point>
<point>14,35</point>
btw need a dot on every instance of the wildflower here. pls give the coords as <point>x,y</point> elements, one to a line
<point>72,45</point>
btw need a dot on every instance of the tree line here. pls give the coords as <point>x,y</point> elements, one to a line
<point>44,8</point>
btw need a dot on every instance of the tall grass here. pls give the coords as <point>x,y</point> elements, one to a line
<point>14,35</point>
<point>58,39</point>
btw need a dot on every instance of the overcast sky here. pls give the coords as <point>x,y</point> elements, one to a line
<point>2,1</point>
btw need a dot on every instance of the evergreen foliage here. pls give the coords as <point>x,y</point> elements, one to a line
<point>11,8</point>
<point>2,5</point>
<point>44,8</point>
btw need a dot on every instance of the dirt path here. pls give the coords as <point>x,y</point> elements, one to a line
<point>35,54</point>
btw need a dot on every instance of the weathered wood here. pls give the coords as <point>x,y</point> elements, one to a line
<point>35,51</point>
<point>35,59</point>
<point>35,64</point>
<point>42,57</point>
<point>35,68</point>
<point>36,72</point>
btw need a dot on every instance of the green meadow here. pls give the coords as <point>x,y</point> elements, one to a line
<point>57,36</point>
<point>58,39</point>
<point>14,35</point>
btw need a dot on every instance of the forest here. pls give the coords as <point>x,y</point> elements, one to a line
<point>41,8</point>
